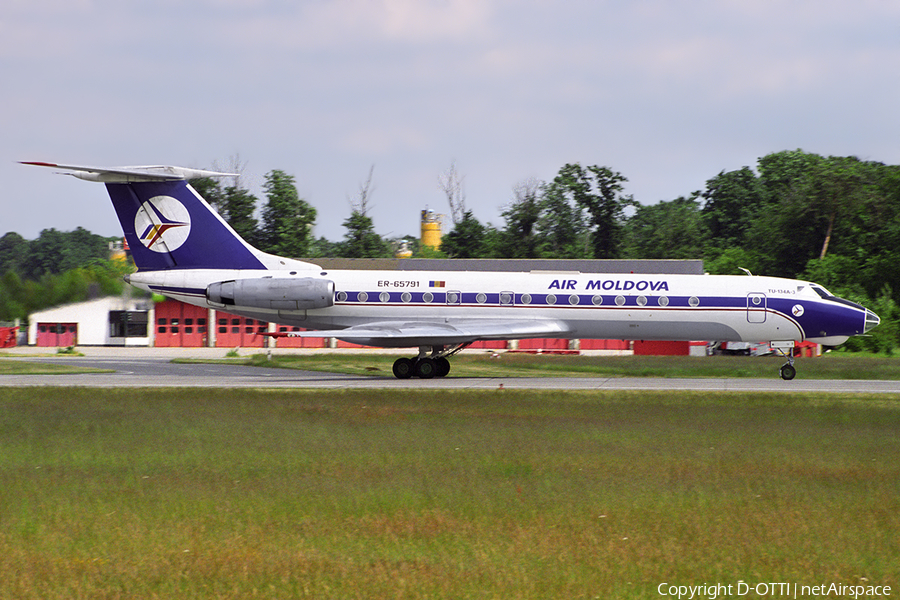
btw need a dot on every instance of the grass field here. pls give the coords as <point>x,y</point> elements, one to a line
<point>24,367</point>
<point>288,494</point>
<point>482,364</point>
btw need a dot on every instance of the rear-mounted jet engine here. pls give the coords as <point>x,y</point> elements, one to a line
<point>280,294</point>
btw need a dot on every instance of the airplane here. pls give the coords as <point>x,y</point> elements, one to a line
<point>184,250</point>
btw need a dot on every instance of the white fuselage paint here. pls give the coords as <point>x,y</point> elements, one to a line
<point>630,306</point>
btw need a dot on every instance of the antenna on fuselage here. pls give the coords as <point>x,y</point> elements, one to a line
<point>747,271</point>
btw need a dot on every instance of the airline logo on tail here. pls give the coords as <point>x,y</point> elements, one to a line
<point>162,224</point>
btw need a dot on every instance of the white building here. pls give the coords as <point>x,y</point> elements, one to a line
<point>110,321</point>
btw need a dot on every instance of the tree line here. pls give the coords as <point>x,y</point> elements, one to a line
<point>833,220</point>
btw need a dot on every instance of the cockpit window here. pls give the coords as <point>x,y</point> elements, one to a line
<point>822,292</point>
<point>826,295</point>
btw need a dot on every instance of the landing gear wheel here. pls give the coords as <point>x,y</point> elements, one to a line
<point>425,368</point>
<point>442,366</point>
<point>788,371</point>
<point>403,368</point>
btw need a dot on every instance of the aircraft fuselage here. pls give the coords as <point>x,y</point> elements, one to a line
<point>603,306</point>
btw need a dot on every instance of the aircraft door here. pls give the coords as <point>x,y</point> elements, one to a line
<point>756,308</point>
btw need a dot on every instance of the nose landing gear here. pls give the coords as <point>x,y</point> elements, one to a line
<point>787,371</point>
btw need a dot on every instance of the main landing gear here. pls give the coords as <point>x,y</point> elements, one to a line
<point>425,366</point>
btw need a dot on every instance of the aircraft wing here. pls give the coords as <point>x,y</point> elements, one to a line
<point>403,334</point>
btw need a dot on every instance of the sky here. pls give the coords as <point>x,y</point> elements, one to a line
<point>667,93</point>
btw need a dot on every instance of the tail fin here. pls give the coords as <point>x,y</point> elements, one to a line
<point>168,225</point>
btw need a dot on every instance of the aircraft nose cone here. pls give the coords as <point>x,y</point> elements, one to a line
<point>872,321</point>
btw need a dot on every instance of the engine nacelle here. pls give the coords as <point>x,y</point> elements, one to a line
<point>279,294</point>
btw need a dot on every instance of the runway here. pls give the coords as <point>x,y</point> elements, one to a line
<point>153,368</point>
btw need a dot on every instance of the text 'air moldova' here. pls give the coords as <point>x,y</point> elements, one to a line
<point>611,285</point>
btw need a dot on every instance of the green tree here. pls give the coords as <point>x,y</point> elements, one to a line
<point>13,297</point>
<point>730,261</point>
<point>324,248</point>
<point>466,239</point>
<point>666,230</point>
<point>731,202</point>
<point>784,227</point>
<point>19,298</point>
<point>598,191</point>
<point>814,205</point>
<point>561,229</point>
<point>210,190</point>
<point>835,272</point>
<point>886,337</point>
<point>361,241</point>
<point>874,239</point>
<point>287,219</point>
<point>13,252</point>
<point>58,251</point>
<point>239,206</point>
<point>520,237</point>
<point>234,204</point>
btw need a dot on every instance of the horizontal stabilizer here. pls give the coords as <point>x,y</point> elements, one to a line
<point>132,174</point>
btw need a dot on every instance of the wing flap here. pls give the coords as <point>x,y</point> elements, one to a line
<point>438,333</point>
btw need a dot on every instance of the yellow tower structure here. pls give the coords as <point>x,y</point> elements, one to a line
<point>117,250</point>
<point>432,229</point>
<point>403,251</point>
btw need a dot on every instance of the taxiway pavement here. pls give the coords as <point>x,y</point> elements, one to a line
<point>153,367</point>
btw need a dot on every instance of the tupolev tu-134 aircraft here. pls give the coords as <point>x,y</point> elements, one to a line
<point>184,250</point>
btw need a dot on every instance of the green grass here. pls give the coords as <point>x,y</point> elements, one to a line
<point>481,364</point>
<point>23,367</point>
<point>440,494</point>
